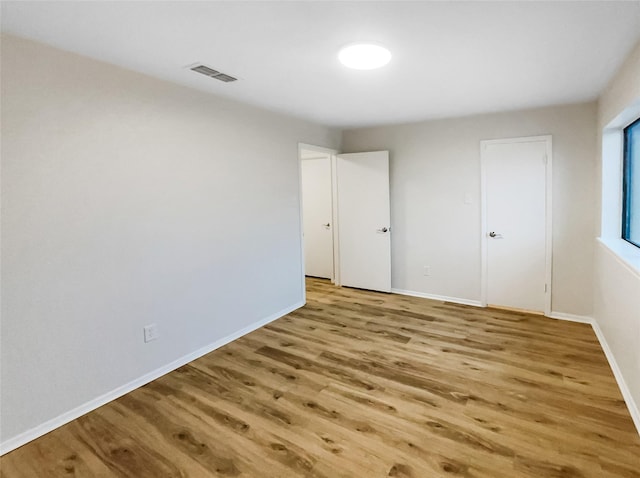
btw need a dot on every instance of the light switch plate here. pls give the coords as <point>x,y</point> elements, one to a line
<point>151,332</point>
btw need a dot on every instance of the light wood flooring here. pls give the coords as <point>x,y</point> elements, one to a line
<point>362,384</point>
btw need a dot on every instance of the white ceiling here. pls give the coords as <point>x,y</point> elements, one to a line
<point>449,58</point>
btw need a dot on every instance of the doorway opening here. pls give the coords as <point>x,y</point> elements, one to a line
<point>345,217</point>
<point>318,210</point>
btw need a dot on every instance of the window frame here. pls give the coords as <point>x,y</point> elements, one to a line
<point>626,180</point>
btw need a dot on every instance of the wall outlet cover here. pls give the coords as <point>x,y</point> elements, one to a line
<point>150,332</point>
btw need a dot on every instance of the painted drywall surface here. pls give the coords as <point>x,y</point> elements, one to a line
<point>617,311</point>
<point>129,201</point>
<point>623,89</point>
<point>434,164</point>
<point>617,287</point>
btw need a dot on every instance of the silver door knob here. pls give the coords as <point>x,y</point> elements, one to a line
<point>383,230</point>
<point>493,234</point>
<point>327,225</point>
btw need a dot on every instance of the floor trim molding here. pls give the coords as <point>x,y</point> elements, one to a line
<point>50,425</point>
<point>617,373</point>
<point>571,317</point>
<point>444,298</point>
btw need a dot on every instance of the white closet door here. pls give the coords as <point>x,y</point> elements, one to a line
<point>364,220</point>
<point>316,215</point>
<point>515,189</point>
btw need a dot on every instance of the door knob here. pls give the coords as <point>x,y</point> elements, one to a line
<point>383,230</point>
<point>493,234</point>
<point>327,225</point>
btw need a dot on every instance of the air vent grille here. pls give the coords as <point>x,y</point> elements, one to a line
<point>205,70</point>
<point>225,78</point>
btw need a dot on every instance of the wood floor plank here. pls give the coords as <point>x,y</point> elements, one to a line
<point>363,384</point>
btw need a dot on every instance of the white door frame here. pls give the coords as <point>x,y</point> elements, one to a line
<point>548,215</point>
<point>335,277</point>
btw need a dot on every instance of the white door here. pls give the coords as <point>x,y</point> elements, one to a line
<point>364,220</point>
<point>316,216</point>
<point>516,226</point>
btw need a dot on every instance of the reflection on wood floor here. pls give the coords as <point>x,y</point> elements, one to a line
<point>362,384</point>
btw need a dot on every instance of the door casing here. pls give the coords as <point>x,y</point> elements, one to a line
<point>548,215</point>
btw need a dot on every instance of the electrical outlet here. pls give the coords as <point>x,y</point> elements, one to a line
<point>151,332</point>
<point>426,270</point>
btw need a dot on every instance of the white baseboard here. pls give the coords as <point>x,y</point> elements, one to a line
<point>571,317</point>
<point>617,373</point>
<point>33,433</point>
<point>443,298</point>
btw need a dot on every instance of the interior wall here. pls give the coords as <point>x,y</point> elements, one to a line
<point>128,201</point>
<point>435,166</point>
<point>617,283</point>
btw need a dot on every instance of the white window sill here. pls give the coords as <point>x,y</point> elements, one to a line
<point>627,253</point>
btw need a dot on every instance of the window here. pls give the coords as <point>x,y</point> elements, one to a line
<point>631,184</point>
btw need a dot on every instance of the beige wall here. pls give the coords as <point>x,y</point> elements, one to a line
<point>617,284</point>
<point>128,201</point>
<point>435,163</point>
<point>622,90</point>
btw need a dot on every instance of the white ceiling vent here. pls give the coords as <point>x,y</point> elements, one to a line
<point>205,70</point>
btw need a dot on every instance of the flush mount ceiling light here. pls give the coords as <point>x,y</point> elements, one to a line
<point>364,56</point>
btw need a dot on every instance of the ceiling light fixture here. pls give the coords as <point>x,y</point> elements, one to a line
<point>364,56</point>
